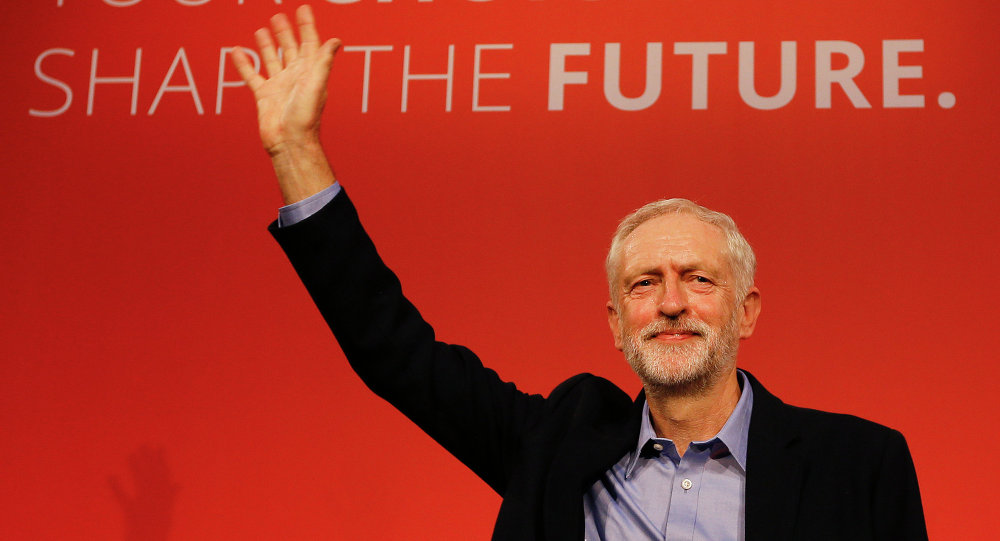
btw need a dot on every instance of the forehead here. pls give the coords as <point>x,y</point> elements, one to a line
<point>680,238</point>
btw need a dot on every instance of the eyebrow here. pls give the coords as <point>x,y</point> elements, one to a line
<point>630,276</point>
<point>686,268</point>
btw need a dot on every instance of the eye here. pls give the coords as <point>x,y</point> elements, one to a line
<point>642,285</point>
<point>700,281</point>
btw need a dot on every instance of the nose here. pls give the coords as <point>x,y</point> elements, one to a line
<point>673,301</point>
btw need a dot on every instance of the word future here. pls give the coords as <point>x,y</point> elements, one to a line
<point>826,76</point>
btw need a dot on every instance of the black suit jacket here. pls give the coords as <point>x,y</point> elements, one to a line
<point>810,475</point>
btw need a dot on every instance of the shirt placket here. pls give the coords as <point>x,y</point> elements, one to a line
<point>684,494</point>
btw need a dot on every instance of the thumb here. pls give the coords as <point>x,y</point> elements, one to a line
<point>324,63</point>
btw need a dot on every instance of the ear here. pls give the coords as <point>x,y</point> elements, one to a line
<point>615,325</point>
<point>749,311</point>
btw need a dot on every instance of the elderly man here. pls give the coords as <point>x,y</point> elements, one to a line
<point>704,453</point>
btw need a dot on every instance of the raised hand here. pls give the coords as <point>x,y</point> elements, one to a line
<point>290,101</point>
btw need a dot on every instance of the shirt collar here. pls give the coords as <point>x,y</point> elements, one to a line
<point>733,435</point>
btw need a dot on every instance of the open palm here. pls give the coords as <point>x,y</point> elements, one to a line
<point>290,99</point>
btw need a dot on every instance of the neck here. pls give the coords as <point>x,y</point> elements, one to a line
<point>683,415</point>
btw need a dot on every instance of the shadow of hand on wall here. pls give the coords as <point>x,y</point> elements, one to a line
<point>149,509</point>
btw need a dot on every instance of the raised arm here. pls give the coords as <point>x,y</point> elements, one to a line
<point>290,101</point>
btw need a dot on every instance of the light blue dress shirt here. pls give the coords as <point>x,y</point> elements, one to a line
<point>652,493</point>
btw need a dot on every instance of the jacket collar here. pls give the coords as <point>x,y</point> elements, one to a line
<point>774,468</point>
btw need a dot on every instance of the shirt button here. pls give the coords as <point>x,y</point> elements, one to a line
<point>686,484</point>
<point>658,446</point>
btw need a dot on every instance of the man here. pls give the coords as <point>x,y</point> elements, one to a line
<point>704,453</point>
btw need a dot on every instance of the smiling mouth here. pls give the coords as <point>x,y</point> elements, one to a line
<point>672,335</point>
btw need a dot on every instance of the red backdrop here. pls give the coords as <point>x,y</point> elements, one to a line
<point>154,339</point>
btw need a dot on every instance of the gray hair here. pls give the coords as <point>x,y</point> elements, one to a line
<point>741,257</point>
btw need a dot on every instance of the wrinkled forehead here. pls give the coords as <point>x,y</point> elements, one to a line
<point>680,238</point>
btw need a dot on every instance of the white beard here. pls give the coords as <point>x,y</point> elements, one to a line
<point>690,367</point>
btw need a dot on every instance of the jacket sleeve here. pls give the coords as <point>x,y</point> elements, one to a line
<point>443,388</point>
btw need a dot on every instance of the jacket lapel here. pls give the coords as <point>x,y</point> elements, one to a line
<point>774,469</point>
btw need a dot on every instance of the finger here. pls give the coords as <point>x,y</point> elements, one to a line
<point>244,65</point>
<point>324,61</point>
<point>286,37</point>
<point>321,67</point>
<point>268,55</point>
<point>307,29</point>
<point>334,44</point>
<point>325,55</point>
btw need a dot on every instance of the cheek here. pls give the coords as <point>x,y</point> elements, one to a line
<point>712,312</point>
<point>638,315</point>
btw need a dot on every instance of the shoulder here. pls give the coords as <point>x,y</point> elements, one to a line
<point>841,448</point>
<point>829,426</point>
<point>591,398</point>
<point>820,433</point>
<point>587,384</point>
